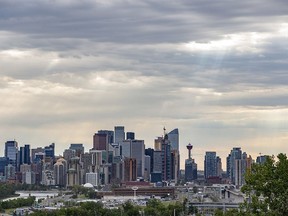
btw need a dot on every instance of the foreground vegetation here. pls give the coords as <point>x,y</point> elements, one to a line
<point>16,203</point>
<point>7,190</point>
<point>154,208</point>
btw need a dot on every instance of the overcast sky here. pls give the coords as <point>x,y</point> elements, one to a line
<point>217,70</point>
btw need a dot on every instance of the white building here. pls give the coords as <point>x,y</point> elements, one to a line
<point>92,178</point>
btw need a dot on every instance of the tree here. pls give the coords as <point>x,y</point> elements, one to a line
<point>266,187</point>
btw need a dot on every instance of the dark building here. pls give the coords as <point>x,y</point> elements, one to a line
<point>166,158</point>
<point>190,166</point>
<point>130,171</point>
<point>79,149</point>
<point>4,161</point>
<point>150,152</point>
<point>109,133</point>
<point>100,141</point>
<point>24,155</point>
<point>50,151</point>
<point>156,177</point>
<point>210,165</point>
<point>261,159</point>
<point>130,135</point>
<point>35,151</point>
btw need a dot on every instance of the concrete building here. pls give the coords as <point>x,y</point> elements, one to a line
<point>28,177</point>
<point>130,171</point>
<point>60,172</point>
<point>74,172</point>
<point>92,178</point>
<point>147,168</point>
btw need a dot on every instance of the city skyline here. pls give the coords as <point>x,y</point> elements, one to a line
<point>217,70</point>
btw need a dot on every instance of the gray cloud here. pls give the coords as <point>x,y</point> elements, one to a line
<point>217,70</point>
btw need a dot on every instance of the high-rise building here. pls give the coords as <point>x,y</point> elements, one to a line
<point>24,155</point>
<point>28,177</point>
<point>78,147</point>
<point>10,171</point>
<point>261,159</point>
<point>50,151</point>
<point>166,158</point>
<point>173,137</point>
<point>126,148</point>
<point>68,154</point>
<point>119,134</point>
<point>147,168</point>
<point>109,133</point>
<point>130,172</point>
<point>60,170</point>
<point>150,152</point>
<point>157,161</point>
<point>100,141</point>
<point>92,178</point>
<point>237,165</point>
<point>4,161</point>
<point>190,166</point>
<point>210,165</point>
<point>11,152</point>
<point>74,172</point>
<point>36,150</point>
<point>130,135</point>
<point>138,152</point>
<point>235,154</point>
<point>157,143</point>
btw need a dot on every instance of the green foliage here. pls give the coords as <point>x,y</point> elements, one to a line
<point>7,190</point>
<point>31,187</point>
<point>154,208</point>
<point>17,203</point>
<point>266,187</point>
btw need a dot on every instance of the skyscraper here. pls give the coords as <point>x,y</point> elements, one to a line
<point>60,170</point>
<point>130,135</point>
<point>166,158</point>
<point>110,135</point>
<point>138,152</point>
<point>236,153</point>
<point>100,141</point>
<point>150,152</point>
<point>173,137</point>
<point>130,169</point>
<point>11,152</point>
<point>119,134</point>
<point>50,151</point>
<point>24,155</point>
<point>78,147</point>
<point>210,165</point>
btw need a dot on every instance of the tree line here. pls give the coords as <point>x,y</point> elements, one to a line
<point>153,208</point>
